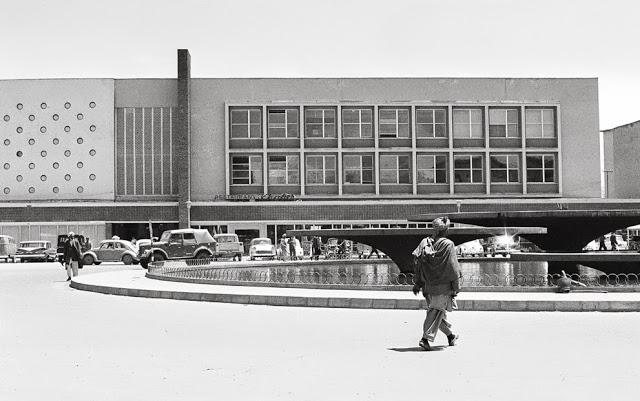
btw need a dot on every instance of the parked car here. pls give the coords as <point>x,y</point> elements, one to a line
<point>471,248</point>
<point>262,248</point>
<point>8,248</point>
<point>112,250</point>
<point>85,245</point>
<point>228,245</point>
<point>186,243</point>
<point>36,251</point>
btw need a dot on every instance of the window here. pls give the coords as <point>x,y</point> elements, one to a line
<point>246,123</point>
<point>358,169</point>
<point>505,168</point>
<point>282,123</point>
<point>357,123</point>
<point>393,123</point>
<point>467,169</point>
<point>503,123</point>
<point>541,168</point>
<point>431,169</point>
<point>321,169</point>
<point>246,170</point>
<point>467,123</point>
<point>320,123</point>
<point>284,170</point>
<point>540,123</point>
<point>189,239</point>
<point>395,169</point>
<point>431,123</point>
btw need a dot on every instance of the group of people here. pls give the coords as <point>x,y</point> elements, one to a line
<point>288,247</point>
<point>603,245</point>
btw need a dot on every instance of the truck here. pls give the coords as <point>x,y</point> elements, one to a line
<point>228,246</point>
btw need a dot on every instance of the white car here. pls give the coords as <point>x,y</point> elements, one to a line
<point>471,248</point>
<point>262,248</point>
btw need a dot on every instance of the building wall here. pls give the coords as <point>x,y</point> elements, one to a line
<point>626,164</point>
<point>57,139</point>
<point>608,181</point>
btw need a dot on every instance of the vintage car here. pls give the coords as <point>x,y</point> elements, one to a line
<point>262,248</point>
<point>228,246</point>
<point>8,248</point>
<point>111,250</point>
<point>186,243</point>
<point>85,245</point>
<point>36,251</point>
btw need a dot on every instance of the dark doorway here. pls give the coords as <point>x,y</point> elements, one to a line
<point>245,236</point>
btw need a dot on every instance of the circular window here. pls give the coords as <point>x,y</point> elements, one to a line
<point>80,140</point>
<point>67,129</point>
<point>79,116</point>
<point>43,153</point>
<point>43,178</point>
<point>43,129</point>
<point>67,177</point>
<point>32,166</point>
<point>6,117</point>
<point>7,142</point>
<point>19,130</point>
<point>92,152</point>
<point>92,104</point>
<point>32,141</point>
<point>56,117</point>
<point>19,178</point>
<point>92,128</point>
<point>67,153</point>
<point>31,117</point>
<point>67,105</point>
<point>56,165</point>
<point>80,164</point>
<point>80,189</point>
<point>19,106</point>
<point>6,190</point>
<point>56,141</point>
<point>32,190</point>
<point>7,166</point>
<point>92,177</point>
<point>56,190</point>
<point>19,153</point>
<point>43,106</point>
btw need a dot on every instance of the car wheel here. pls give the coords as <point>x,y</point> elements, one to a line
<point>96,263</point>
<point>87,260</point>
<point>127,259</point>
<point>158,257</point>
<point>202,255</point>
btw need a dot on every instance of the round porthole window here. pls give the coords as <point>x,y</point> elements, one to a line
<point>56,190</point>
<point>19,178</point>
<point>19,106</point>
<point>56,141</point>
<point>6,190</point>
<point>56,165</point>
<point>92,128</point>
<point>32,190</point>
<point>7,166</point>
<point>6,117</point>
<point>56,117</point>
<point>43,153</point>
<point>92,177</point>
<point>67,177</point>
<point>43,129</point>
<point>43,106</point>
<point>79,140</point>
<point>7,142</point>
<point>80,189</point>
<point>31,117</point>
<point>92,152</point>
<point>32,141</point>
<point>32,166</point>
<point>43,178</point>
<point>19,153</point>
<point>79,116</point>
<point>67,129</point>
<point>67,153</point>
<point>19,130</point>
<point>67,105</point>
<point>80,164</point>
<point>92,104</point>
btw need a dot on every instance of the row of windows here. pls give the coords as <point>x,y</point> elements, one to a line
<point>393,122</point>
<point>393,169</point>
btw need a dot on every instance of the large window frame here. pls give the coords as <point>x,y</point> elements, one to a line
<point>468,123</point>
<point>320,169</point>
<point>431,169</point>
<point>357,166</point>
<point>245,123</point>
<point>246,169</point>
<point>357,122</point>
<point>468,169</point>
<point>505,168</point>
<point>543,164</point>
<point>395,169</point>
<point>320,122</point>
<point>283,123</point>
<point>284,169</point>
<point>504,123</point>
<point>394,122</point>
<point>431,122</point>
<point>540,122</point>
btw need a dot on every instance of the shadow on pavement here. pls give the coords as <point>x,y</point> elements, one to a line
<point>418,349</point>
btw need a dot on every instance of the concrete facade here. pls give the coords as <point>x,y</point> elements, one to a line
<point>621,149</point>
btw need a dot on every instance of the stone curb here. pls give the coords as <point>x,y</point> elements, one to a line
<point>369,303</point>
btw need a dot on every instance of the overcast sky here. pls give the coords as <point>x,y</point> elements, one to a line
<point>329,38</point>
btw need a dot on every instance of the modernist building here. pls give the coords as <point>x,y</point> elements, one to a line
<point>259,156</point>
<point>621,162</point>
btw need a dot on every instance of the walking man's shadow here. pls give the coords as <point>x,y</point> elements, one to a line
<point>418,349</point>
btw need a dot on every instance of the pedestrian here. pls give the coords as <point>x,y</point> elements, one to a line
<point>284,246</point>
<point>316,248</point>
<point>614,242</point>
<point>71,255</point>
<point>292,249</point>
<point>603,246</point>
<point>373,250</point>
<point>437,275</point>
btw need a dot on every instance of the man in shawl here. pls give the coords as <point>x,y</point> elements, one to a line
<point>437,275</point>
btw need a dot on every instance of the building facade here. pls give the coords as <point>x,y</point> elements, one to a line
<point>621,166</point>
<point>259,156</point>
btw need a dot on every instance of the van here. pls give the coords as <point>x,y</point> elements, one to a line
<point>8,248</point>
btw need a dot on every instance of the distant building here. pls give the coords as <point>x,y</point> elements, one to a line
<point>621,164</point>
<point>259,156</point>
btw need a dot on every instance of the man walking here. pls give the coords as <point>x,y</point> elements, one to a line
<point>71,255</point>
<point>437,275</point>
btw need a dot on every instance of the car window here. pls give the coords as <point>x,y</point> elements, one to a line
<point>175,238</point>
<point>189,238</point>
<point>118,245</point>
<point>104,245</point>
<point>261,242</point>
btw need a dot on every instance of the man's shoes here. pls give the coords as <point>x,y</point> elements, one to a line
<point>452,338</point>
<point>68,278</point>
<point>424,343</point>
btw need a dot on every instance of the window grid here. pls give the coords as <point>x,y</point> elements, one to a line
<point>284,170</point>
<point>386,120</point>
<point>320,169</point>
<point>246,170</point>
<point>282,123</point>
<point>505,169</point>
<point>541,169</point>
<point>431,123</point>
<point>468,169</point>
<point>320,123</point>
<point>360,127</point>
<point>503,123</point>
<point>431,169</point>
<point>467,123</point>
<point>246,123</point>
<point>358,169</point>
<point>395,169</point>
<point>540,123</point>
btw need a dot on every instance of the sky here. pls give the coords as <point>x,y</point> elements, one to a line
<point>329,38</point>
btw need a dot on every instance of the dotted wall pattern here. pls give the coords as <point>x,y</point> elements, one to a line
<point>56,139</point>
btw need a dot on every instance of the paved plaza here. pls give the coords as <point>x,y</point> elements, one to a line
<point>59,343</point>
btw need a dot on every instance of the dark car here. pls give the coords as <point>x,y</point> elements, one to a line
<point>186,243</point>
<point>85,245</point>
